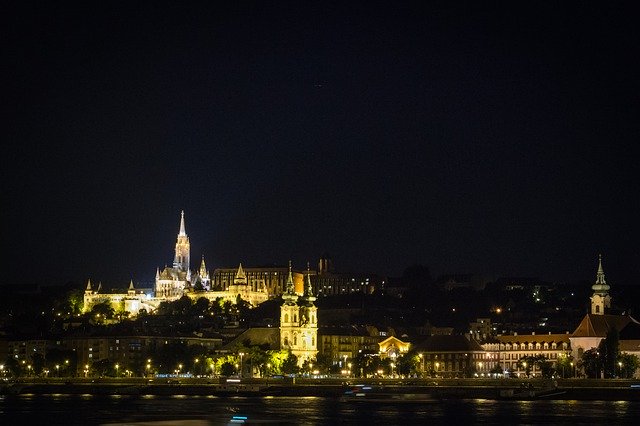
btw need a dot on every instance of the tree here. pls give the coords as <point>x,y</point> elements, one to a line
<point>531,361</point>
<point>407,364</point>
<point>227,368</point>
<point>627,365</point>
<point>102,311</point>
<point>496,370</point>
<point>590,362</point>
<point>564,366</point>
<point>609,349</point>
<point>290,365</point>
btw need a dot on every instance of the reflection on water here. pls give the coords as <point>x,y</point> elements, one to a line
<point>212,411</point>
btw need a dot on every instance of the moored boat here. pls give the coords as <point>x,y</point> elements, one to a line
<point>365,393</point>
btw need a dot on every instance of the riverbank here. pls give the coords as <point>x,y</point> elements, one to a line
<point>495,390</point>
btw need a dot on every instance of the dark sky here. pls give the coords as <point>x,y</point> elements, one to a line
<point>479,137</point>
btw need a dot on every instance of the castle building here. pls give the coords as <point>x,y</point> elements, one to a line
<point>172,283</point>
<point>299,321</point>
<point>273,278</point>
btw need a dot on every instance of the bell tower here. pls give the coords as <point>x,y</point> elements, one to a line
<point>600,299</point>
<point>181,260</point>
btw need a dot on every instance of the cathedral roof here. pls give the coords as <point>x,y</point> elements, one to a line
<point>598,325</point>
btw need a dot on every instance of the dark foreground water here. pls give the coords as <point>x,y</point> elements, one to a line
<point>212,411</point>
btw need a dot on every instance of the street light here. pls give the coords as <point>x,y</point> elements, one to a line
<point>421,363</point>
<point>117,367</point>
<point>241,355</point>
<point>620,368</point>
<point>572,370</point>
<point>58,370</point>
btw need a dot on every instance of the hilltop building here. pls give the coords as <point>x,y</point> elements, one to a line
<point>172,283</point>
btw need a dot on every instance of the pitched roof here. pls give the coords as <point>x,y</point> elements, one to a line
<point>598,325</point>
<point>534,338</point>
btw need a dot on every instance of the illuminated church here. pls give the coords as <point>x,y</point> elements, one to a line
<point>299,321</point>
<point>172,283</point>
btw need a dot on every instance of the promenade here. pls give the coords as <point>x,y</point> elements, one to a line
<point>568,389</point>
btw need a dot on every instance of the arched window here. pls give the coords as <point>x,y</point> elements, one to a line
<point>286,317</point>
<point>295,340</point>
<point>286,341</point>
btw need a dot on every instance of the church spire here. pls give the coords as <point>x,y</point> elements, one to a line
<point>308,289</point>
<point>203,269</point>
<point>601,285</point>
<point>182,231</point>
<point>183,248</point>
<point>600,300</point>
<point>290,297</point>
<point>241,277</point>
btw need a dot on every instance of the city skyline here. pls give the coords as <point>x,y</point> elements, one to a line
<point>483,138</point>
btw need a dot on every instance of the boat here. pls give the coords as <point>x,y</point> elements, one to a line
<point>529,392</point>
<point>378,394</point>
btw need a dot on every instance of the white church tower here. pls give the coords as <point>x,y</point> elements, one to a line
<point>600,299</point>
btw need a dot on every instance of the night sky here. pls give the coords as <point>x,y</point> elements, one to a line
<point>482,137</point>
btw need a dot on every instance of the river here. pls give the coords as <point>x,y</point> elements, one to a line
<point>63,409</point>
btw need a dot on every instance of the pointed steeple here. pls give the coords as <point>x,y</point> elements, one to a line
<point>308,289</point>
<point>241,277</point>
<point>182,231</point>
<point>601,285</point>
<point>183,248</point>
<point>600,300</point>
<point>290,297</point>
<point>131,287</point>
<point>203,268</point>
<point>88,285</point>
<point>290,287</point>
